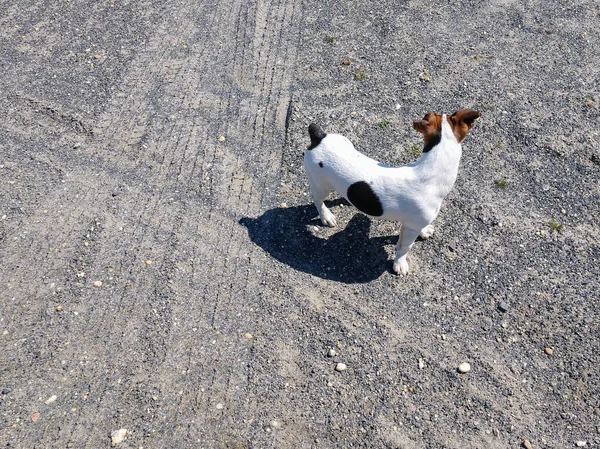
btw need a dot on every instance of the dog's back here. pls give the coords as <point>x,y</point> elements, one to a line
<point>411,193</point>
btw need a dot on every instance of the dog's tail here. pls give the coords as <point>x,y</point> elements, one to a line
<point>316,135</point>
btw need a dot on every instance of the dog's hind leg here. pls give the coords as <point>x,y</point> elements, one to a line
<point>319,193</point>
<point>405,243</point>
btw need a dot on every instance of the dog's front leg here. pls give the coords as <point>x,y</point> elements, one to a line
<point>426,232</point>
<point>405,243</point>
<point>319,192</point>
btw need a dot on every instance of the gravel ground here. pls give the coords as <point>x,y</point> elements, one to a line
<point>164,279</point>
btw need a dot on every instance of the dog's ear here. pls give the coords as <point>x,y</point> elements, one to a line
<point>428,125</point>
<point>421,126</point>
<point>468,116</point>
<point>431,128</point>
<point>462,121</point>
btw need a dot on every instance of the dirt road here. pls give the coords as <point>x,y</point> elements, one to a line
<point>162,269</point>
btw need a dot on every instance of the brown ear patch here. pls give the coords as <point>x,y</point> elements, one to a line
<point>462,121</point>
<point>431,128</point>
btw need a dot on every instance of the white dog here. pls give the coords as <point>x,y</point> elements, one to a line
<point>411,194</point>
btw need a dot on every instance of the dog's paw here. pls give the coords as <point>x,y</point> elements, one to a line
<point>328,219</point>
<point>426,232</point>
<point>401,266</point>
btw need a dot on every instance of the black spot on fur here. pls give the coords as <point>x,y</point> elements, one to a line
<point>321,164</point>
<point>361,195</point>
<point>432,143</point>
<point>316,135</point>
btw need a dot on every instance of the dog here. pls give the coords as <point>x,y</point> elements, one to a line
<point>411,194</point>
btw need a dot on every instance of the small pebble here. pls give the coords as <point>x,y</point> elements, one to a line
<point>548,351</point>
<point>35,417</point>
<point>219,406</point>
<point>346,62</point>
<point>221,138</point>
<point>148,262</point>
<point>118,436</point>
<point>581,443</point>
<point>284,205</point>
<point>421,364</point>
<point>341,367</point>
<point>97,56</point>
<point>51,399</point>
<point>464,368</point>
<point>527,444</point>
<point>248,336</point>
<point>332,353</point>
<point>97,283</point>
<point>496,432</point>
<point>503,306</point>
<point>58,308</point>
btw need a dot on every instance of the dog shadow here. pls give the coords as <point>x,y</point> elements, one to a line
<point>348,256</point>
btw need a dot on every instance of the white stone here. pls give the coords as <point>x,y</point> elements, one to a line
<point>51,399</point>
<point>118,436</point>
<point>341,367</point>
<point>464,368</point>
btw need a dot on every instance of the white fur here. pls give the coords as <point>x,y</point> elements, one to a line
<point>411,194</point>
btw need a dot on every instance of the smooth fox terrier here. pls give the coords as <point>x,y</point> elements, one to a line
<point>411,194</point>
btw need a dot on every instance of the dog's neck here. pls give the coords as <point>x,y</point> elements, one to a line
<point>447,131</point>
<point>439,166</point>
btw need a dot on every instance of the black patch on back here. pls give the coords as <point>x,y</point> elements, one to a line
<point>316,135</point>
<point>432,143</point>
<point>321,164</point>
<point>361,195</point>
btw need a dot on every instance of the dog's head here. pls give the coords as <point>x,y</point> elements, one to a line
<point>431,126</point>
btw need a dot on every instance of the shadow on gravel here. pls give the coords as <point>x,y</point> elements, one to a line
<point>348,256</point>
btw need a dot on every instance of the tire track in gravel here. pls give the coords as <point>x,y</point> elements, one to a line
<point>223,352</point>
